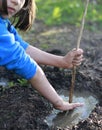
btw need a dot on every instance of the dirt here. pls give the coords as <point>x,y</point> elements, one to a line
<point>23,108</point>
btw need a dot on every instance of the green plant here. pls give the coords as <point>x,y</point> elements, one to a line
<point>11,84</point>
<point>22,82</point>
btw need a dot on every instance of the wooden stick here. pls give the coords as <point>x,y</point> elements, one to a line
<point>78,45</point>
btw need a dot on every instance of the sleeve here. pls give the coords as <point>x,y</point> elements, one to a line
<point>18,37</point>
<point>14,57</point>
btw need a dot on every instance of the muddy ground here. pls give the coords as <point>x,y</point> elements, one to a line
<point>23,108</point>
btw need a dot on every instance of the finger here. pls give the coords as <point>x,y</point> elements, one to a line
<point>75,105</point>
<point>76,63</point>
<point>79,52</point>
<point>78,58</point>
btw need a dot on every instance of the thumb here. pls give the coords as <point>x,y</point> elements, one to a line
<point>77,52</point>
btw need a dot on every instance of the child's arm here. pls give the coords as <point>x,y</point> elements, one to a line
<point>42,85</point>
<point>41,57</point>
<point>73,57</point>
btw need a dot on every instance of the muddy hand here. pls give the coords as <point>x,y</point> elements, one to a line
<point>64,106</point>
<point>74,57</point>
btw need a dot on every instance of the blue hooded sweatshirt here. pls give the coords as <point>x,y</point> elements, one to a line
<point>12,51</point>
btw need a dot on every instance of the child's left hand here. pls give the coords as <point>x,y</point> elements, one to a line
<point>64,106</point>
<point>73,58</point>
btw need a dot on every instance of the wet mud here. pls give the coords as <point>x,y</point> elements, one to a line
<point>71,118</point>
<point>23,108</point>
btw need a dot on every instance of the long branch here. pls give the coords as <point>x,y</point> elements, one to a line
<point>78,45</point>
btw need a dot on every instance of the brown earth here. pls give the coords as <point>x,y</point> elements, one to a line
<point>23,108</point>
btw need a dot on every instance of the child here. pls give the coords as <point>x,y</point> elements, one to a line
<point>23,59</point>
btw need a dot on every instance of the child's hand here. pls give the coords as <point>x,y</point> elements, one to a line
<point>64,106</point>
<point>73,58</point>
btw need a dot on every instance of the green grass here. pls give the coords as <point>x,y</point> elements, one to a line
<point>57,12</point>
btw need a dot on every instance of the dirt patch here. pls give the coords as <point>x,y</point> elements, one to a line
<point>22,108</point>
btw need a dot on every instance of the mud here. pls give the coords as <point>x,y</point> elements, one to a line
<point>23,108</point>
<point>71,118</point>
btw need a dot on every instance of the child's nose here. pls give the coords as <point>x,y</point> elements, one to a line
<point>16,2</point>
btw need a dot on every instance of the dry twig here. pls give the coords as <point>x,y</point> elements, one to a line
<point>78,45</point>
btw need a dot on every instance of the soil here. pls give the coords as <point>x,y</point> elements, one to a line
<point>23,108</point>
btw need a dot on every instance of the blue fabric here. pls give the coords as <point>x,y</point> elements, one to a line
<point>12,51</point>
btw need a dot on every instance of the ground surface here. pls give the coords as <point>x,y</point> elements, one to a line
<point>22,108</point>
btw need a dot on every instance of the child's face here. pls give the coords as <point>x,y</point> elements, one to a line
<point>13,6</point>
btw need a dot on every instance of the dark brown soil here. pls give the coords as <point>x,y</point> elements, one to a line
<point>23,108</point>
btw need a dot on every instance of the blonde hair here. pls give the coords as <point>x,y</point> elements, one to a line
<point>26,16</point>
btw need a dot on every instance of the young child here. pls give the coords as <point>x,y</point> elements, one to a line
<point>23,59</point>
